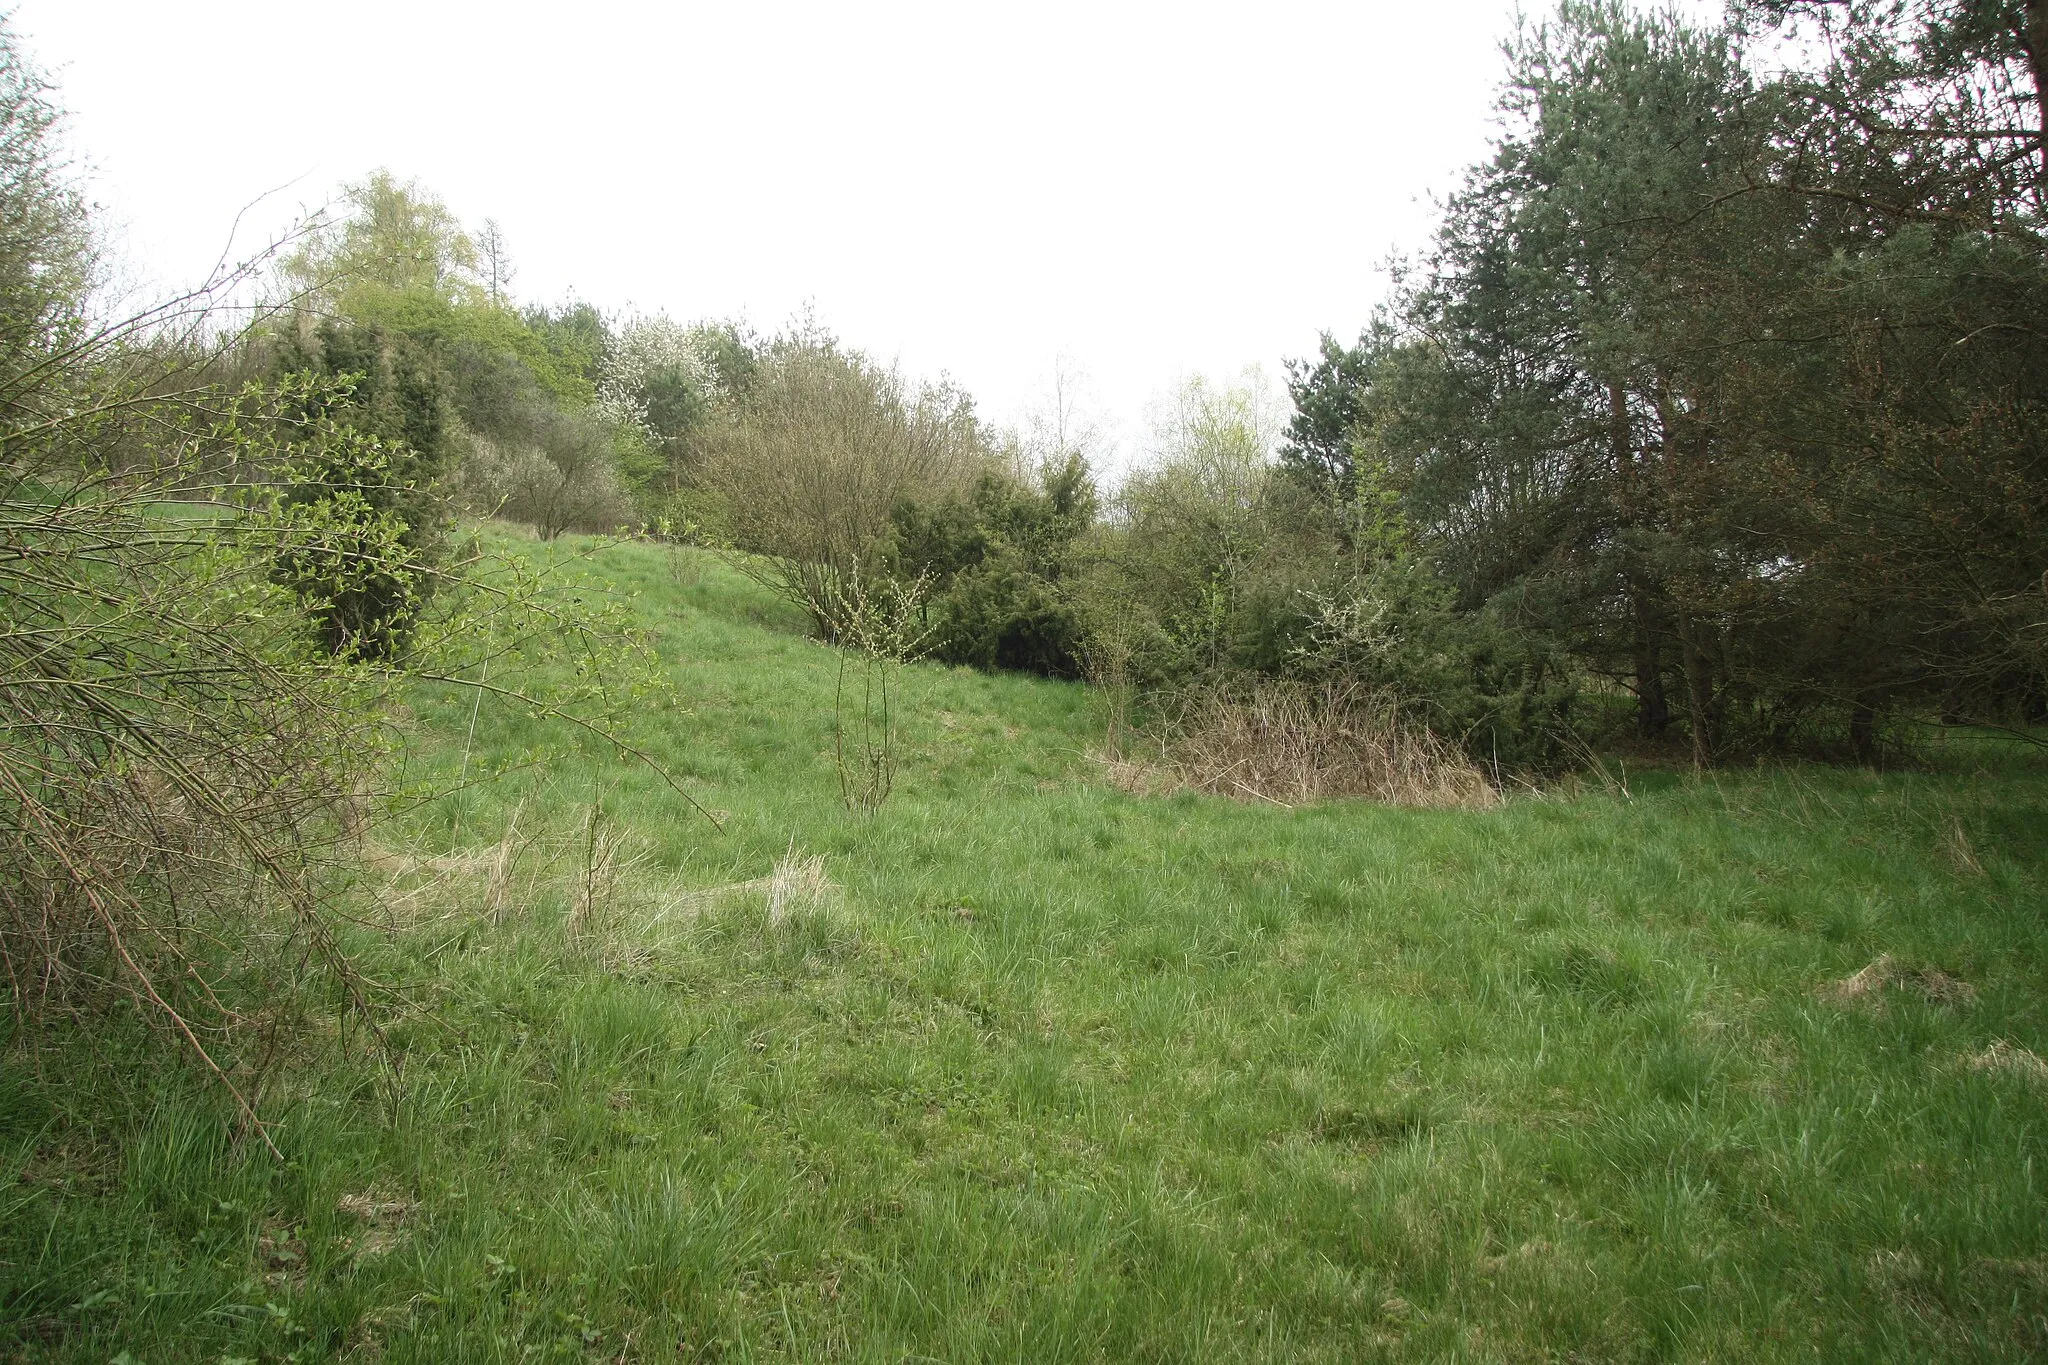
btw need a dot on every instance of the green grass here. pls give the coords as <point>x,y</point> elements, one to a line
<point>1065,1074</point>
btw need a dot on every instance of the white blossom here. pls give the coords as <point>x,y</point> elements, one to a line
<point>646,346</point>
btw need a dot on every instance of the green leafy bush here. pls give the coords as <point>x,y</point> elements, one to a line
<point>997,560</point>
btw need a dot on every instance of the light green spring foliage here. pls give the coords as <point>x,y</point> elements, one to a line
<point>1053,1073</point>
<point>388,236</point>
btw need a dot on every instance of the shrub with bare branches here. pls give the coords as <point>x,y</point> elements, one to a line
<point>566,479</point>
<point>880,628</point>
<point>177,753</point>
<point>823,449</point>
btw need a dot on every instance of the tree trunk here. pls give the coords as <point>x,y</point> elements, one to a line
<point>1863,729</point>
<point>1653,709</point>
<point>1699,692</point>
<point>2035,42</point>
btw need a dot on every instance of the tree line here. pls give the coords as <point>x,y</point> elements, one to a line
<point>1715,401</point>
<point>1711,414</point>
<point>1724,376</point>
<point>1711,418</point>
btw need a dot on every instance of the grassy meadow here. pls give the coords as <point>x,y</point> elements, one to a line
<point>1741,1066</point>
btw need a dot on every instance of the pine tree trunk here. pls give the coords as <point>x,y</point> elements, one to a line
<point>2035,44</point>
<point>1699,689</point>
<point>1653,709</point>
<point>1863,730</point>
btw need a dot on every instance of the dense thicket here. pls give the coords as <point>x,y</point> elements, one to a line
<point>176,750</point>
<point>1725,375</point>
<point>996,562</point>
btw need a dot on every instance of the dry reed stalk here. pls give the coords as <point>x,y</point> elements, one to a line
<point>1289,744</point>
<point>797,882</point>
<point>501,866</point>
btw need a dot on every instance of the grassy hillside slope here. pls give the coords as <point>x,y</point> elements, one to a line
<point>1040,1071</point>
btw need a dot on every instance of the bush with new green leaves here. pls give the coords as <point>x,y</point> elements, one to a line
<point>350,553</point>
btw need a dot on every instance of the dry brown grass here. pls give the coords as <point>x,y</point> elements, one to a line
<point>798,883</point>
<point>1290,744</point>
<point>420,888</point>
<point>382,1216</point>
<point>2012,1060</point>
<point>1955,841</point>
<point>618,911</point>
<point>1866,987</point>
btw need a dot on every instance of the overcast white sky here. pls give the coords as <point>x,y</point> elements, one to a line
<point>1150,190</point>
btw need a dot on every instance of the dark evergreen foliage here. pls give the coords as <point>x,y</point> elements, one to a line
<point>995,563</point>
<point>1726,381</point>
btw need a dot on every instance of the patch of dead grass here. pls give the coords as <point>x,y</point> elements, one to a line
<point>420,888</point>
<point>798,883</point>
<point>1867,986</point>
<point>2009,1059</point>
<point>1955,842</point>
<point>383,1216</point>
<point>1289,744</point>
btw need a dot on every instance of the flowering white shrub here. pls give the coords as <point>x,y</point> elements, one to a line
<point>644,349</point>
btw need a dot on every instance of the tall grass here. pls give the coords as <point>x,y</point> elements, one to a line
<point>1028,1067</point>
